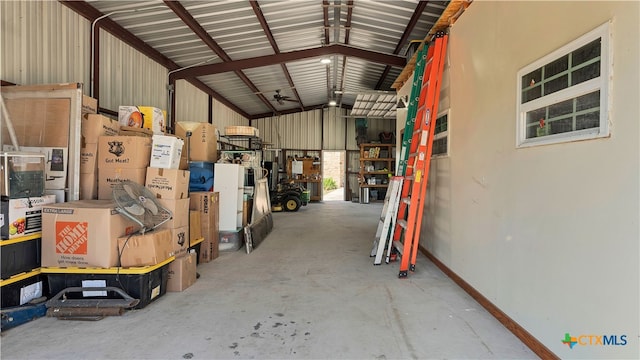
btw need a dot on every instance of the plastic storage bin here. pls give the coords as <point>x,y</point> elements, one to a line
<point>22,288</point>
<point>231,240</point>
<point>21,174</point>
<point>201,176</point>
<point>144,283</point>
<point>19,255</point>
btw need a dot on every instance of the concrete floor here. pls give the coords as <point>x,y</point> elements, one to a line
<point>309,291</point>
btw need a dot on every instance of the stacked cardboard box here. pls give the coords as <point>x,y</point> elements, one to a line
<point>121,158</point>
<point>93,126</point>
<point>171,188</point>
<point>207,203</point>
<point>200,141</point>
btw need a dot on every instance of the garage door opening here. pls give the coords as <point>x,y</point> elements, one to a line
<point>333,175</point>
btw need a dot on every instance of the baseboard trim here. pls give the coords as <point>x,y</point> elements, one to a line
<point>517,330</point>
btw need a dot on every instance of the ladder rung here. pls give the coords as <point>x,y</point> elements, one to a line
<point>410,177</point>
<point>406,200</point>
<point>398,246</point>
<point>402,223</point>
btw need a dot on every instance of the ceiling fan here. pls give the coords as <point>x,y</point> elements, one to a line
<point>282,98</point>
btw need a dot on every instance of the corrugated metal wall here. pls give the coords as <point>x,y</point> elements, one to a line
<point>127,77</point>
<point>191,103</point>
<point>223,116</point>
<point>334,128</point>
<point>293,131</point>
<point>43,42</point>
<point>46,42</point>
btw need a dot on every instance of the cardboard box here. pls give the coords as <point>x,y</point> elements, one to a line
<point>202,145</point>
<point>89,105</point>
<point>180,240</point>
<point>195,227</point>
<point>108,177</point>
<point>143,250</point>
<point>179,209</point>
<point>207,203</point>
<point>83,233</point>
<point>166,151</point>
<point>131,152</point>
<point>88,158</point>
<point>22,217</point>
<point>182,272</point>
<point>169,184</point>
<point>93,126</point>
<point>133,131</point>
<point>146,117</point>
<point>89,186</point>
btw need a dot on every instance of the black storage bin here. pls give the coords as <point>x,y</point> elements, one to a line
<point>12,288</point>
<point>145,283</point>
<point>19,256</point>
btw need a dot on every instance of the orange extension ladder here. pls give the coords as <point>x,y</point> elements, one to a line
<point>417,156</point>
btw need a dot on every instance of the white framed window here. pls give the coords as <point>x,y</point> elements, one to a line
<point>564,96</point>
<point>441,136</point>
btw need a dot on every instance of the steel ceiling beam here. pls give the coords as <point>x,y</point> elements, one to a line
<point>267,30</point>
<point>403,39</point>
<point>90,13</point>
<point>266,60</point>
<point>347,34</point>
<point>195,26</point>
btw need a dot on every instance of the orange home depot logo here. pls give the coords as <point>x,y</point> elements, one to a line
<point>71,237</point>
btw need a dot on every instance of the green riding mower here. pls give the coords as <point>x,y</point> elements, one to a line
<point>289,196</point>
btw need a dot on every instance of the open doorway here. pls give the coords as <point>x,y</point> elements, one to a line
<point>333,175</point>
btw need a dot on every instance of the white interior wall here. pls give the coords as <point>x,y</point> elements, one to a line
<point>549,234</point>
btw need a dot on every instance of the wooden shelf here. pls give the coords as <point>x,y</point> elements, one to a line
<point>379,174</point>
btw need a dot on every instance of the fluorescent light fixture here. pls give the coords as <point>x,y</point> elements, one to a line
<point>325,61</point>
<point>332,103</point>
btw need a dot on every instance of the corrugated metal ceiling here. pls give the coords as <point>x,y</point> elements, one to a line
<point>244,51</point>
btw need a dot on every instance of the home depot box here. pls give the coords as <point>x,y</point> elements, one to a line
<point>132,152</point>
<point>166,151</point>
<point>93,126</point>
<point>143,250</point>
<point>83,233</point>
<point>180,240</point>
<point>22,217</point>
<point>168,183</point>
<point>146,117</point>
<point>207,203</point>
<point>89,186</point>
<point>180,210</point>
<point>109,177</point>
<point>202,145</point>
<point>182,272</point>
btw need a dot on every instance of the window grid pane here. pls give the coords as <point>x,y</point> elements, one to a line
<point>566,71</point>
<point>439,146</point>
<point>582,112</point>
<point>441,124</point>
